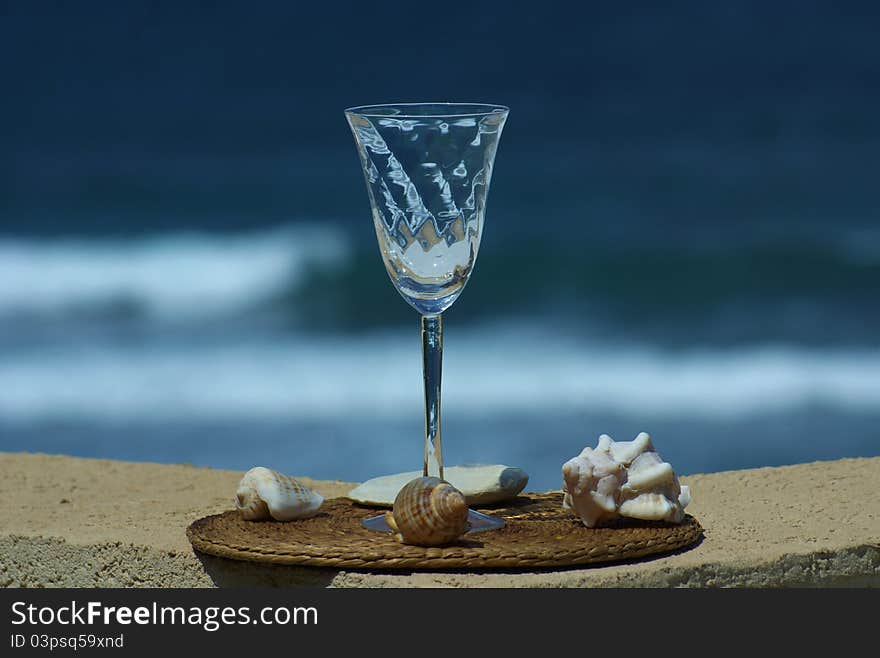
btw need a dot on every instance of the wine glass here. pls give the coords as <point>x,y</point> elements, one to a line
<point>428,167</point>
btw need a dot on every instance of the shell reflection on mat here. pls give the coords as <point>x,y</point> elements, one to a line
<point>266,494</point>
<point>428,512</point>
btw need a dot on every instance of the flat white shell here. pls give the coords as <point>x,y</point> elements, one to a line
<point>481,485</point>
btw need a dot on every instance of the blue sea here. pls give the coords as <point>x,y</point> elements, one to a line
<point>682,237</point>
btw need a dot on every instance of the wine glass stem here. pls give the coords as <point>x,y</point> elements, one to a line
<point>432,368</point>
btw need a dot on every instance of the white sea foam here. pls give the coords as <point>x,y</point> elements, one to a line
<point>175,276</point>
<point>379,376</point>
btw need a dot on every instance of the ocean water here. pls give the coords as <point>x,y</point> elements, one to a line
<point>218,350</point>
<point>682,237</point>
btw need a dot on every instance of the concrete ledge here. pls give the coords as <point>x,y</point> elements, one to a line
<point>69,522</point>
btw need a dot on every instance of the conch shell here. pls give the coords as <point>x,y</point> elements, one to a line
<point>428,511</point>
<point>625,478</point>
<point>264,494</point>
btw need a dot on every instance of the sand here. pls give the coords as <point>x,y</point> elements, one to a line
<point>85,522</point>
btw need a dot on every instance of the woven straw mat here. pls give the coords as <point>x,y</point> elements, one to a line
<point>537,533</point>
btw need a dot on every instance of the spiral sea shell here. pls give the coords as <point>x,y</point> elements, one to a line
<point>264,493</point>
<point>428,511</point>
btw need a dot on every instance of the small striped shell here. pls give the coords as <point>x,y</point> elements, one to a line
<point>428,512</point>
<point>264,494</point>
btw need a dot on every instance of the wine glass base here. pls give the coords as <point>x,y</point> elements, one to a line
<point>477,522</point>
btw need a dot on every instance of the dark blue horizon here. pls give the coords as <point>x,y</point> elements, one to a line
<point>144,117</point>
